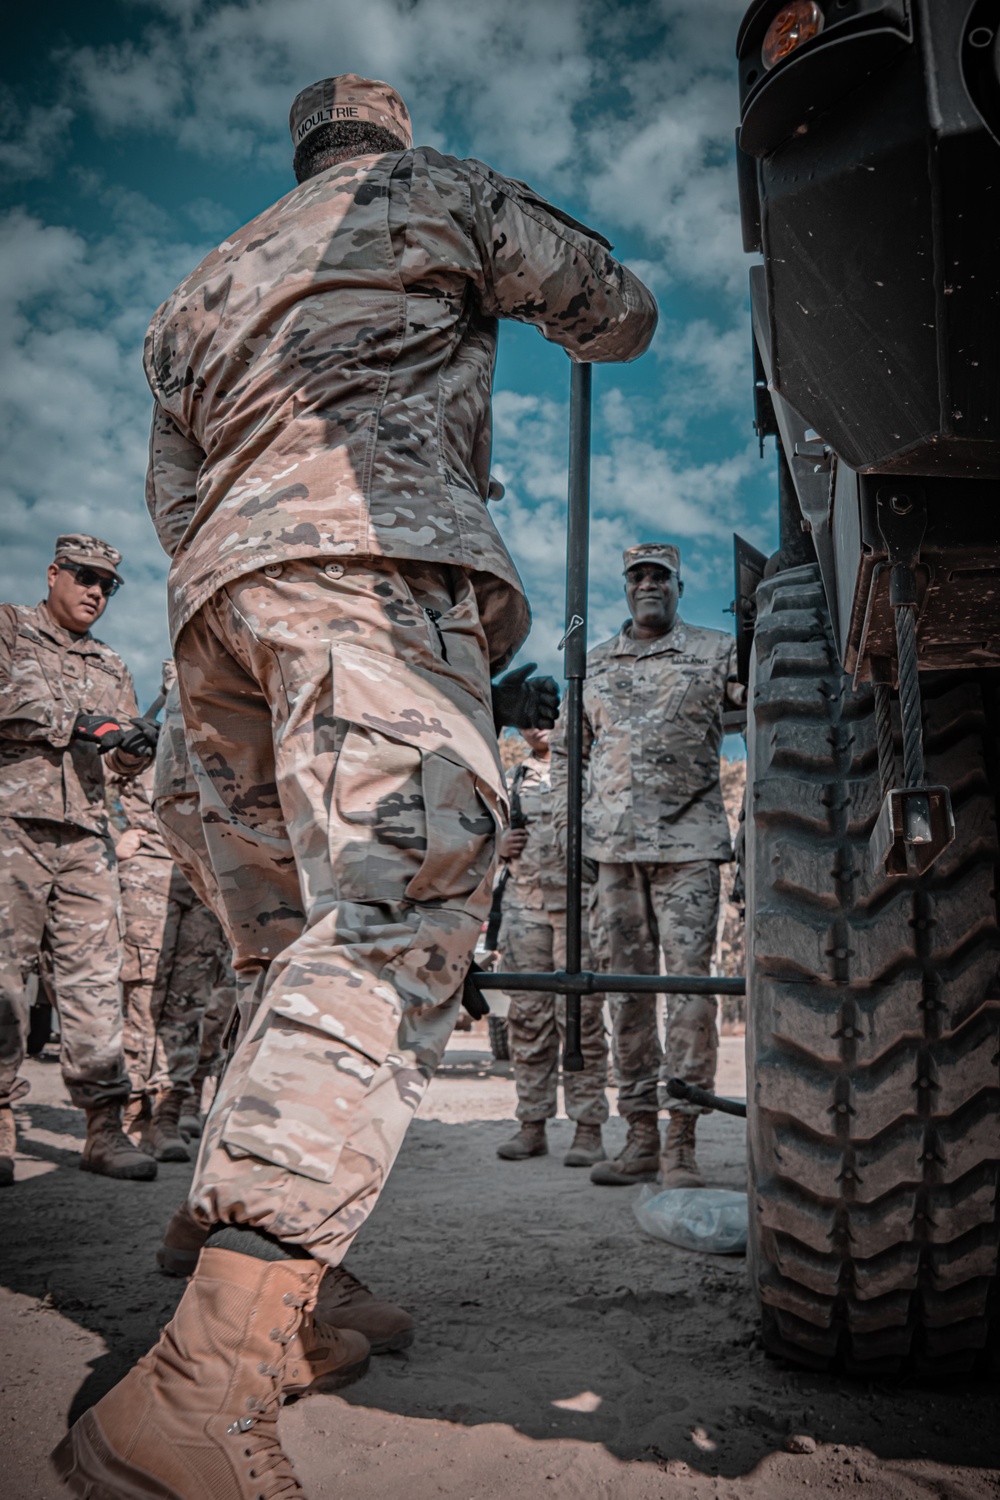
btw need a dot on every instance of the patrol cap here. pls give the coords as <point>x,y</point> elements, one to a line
<point>349,97</point>
<point>663,554</point>
<point>77,547</point>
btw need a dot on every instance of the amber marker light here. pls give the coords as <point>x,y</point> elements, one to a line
<point>793,25</point>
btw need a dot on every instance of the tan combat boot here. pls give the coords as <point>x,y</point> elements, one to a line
<point>640,1158</point>
<point>108,1150</point>
<point>587,1147</point>
<point>164,1129</point>
<point>192,1122</point>
<point>529,1141</point>
<point>135,1122</point>
<point>183,1240</point>
<point>8,1145</point>
<point>197,1416</point>
<point>678,1168</point>
<point>323,1358</point>
<point>344,1302</point>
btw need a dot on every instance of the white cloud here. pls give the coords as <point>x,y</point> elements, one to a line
<point>32,143</point>
<point>628,108</point>
<point>222,78</point>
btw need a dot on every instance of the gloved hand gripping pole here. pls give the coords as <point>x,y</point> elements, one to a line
<point>575,645</point>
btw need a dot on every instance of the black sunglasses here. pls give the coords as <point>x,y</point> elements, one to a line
<point>87,578</point>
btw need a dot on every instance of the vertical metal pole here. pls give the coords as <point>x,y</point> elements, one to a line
<point>577,562</point>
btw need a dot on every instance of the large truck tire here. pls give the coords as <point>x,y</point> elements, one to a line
<point>499,1038</point>
<point>873,1040</point>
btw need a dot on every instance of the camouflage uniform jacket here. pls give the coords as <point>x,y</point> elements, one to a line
<point>538,875</point>
<point>322,380</point>
<point>48,675</point>
<point>652,733</point>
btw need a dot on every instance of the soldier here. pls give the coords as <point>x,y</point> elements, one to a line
<point>211,1043</point>
<point>655,823</point>
<point>533,938</point>
<point>172,954</point>
<point>338,597</point>
<point>66,710</point>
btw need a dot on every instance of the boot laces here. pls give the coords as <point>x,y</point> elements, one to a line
<point>270,1467</point>
<point>643,1139</point>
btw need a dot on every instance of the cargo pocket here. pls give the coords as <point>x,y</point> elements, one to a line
<point>693,699</point>
<point>134,969</point>
<point>298,1100</point>
<point>418,781</point>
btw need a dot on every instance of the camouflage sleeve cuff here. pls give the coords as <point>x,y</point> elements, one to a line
<point>171,479</point>
<point>627,339</point>
<point>35,723</point>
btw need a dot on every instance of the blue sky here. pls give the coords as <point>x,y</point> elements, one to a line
<point>134,134</point>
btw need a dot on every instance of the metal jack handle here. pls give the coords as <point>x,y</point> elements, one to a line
<point>575,644</point>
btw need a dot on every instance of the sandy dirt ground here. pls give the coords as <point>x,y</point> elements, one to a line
<point>560,1352</point>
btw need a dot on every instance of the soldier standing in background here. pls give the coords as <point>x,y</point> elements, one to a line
<point>339,598</point>
<point>173,947</point>
<point>655,823</point>
<point>215,1023</point>
<point>533,940</point>
<point>66,710</point>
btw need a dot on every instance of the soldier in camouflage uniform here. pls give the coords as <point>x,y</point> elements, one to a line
<point>178,816</point>
<point>533,939</point>
<point>338,597</point>
<point>654,821</point>
<point>173,950</point>
<point>66,710</point>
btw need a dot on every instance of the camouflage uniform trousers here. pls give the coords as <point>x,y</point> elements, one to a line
<point>643,908</point>
<point>216,1021</point>
<point>534,940</point>
<point>343,711</point>
<point>172,945</point>
<point>179,817</point>
<point>60,881</point>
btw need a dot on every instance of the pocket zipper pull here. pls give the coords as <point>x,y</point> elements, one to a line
<point>434,615</point>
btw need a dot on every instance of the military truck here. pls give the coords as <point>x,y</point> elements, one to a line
<point>869,176</point>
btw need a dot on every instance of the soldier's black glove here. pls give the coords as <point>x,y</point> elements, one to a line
<point>589,868</point>
<point>141,741</point>
<point>102,730</point>
<point>525,702</point>
<point>472,998</point>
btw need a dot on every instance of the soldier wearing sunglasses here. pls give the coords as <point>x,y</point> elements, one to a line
<point>67,715</point>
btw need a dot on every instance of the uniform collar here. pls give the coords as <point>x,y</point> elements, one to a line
<point>674,640</point>
<point>59,632</point>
